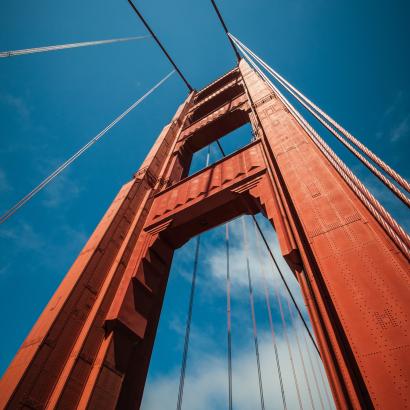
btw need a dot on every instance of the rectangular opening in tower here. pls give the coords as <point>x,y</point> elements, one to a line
<point>231,142</point>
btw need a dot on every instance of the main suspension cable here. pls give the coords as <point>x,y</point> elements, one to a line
<point>147,26</point>
<point>252,304</point>
<point>63,166</point>
<point>4,54</point>
<point>397,177</point>
<point>394,230</point>
<point>308,105</point>
<point>238,57</point>
<point>269,309</point>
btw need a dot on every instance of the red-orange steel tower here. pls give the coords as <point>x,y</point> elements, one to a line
<point>91,347</point>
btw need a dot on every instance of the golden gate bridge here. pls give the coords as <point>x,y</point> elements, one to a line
<point>92,345</point>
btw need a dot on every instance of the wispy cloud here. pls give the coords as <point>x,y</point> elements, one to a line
<point>61,190</point>
<point>4,270</point>
<point>4,183</point>
<point>206,381</point>
<point>400,130</point>
<point>260,263</point>
<point>23,235</point>
<point>395,123</point>
<point>18,104</point>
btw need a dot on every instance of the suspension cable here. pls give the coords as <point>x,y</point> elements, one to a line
<point>238,57</point>
<point>62,167</point>
<point>295,93</point>
<point>188,326</point>
<point>280,273</point>
<point>393,229</point>
<point>292,318</point>
<point>325,385</point>
<point>313,371</point>
<point>285,332</point>
<point>397,177</point>
<point>269,309</point>
<point>228,313</point>
<point>4,54</point>
<point>147,26</point>
<point>286,284</point>
<point>189,316</point>
<point>252,304</point>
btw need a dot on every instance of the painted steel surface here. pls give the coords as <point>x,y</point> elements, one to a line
<point>92,345</point>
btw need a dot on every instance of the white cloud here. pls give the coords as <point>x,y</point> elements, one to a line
<point>260,266</point>
<point>206,381</point>
<point>18,104</point>
<point>401,130</point>
<point>206,377</point>
<point>23,235</point>
<point>60,190</point>
<point>4,183</point>
<point>395,123</point>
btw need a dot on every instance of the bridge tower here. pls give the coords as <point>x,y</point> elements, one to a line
<point>91,346</point>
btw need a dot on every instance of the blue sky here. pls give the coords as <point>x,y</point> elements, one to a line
<point>350,57</point>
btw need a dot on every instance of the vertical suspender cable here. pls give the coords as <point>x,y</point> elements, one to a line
<point>251,300</point>
<point>280,274</point>
<point>393,174</point>
<point>285,332</point>
<point>300,353</point>
<point>62,167</point>
<point>188,326</point>
<point>269,309</point>
<point>324,384</point>
<point>285,283</point>
<point>228,314</point>
<point>313,371</point>
<point>189,316</point>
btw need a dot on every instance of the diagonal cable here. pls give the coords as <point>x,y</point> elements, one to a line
<point>81,151</point>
